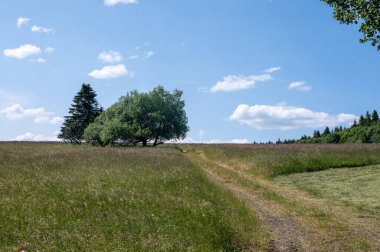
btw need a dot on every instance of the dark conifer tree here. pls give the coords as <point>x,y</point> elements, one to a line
<point>362,121</point>
<point>326,131</point>
<point>317,134</point>
<point>368,119</point>
<point>355,124</point>
<point>83,111</point>
<point>375,116</point>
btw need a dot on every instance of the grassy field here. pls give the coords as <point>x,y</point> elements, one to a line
<point>306,205</point>
<point>275,160</point>
<point>202,198</point>
<point>57,197</point>
<point>354,187</point>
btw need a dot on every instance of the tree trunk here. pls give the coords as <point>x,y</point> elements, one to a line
<point>158,134</point>
<point>155,141</point>
<point>144,142</point>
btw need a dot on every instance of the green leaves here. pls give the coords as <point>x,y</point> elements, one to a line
<point>156,117</point>
<point>363,12</point>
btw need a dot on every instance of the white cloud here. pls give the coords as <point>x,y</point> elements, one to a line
<point>299,85</point>
<point>201,133</point>
<point>283,117</point>
<point>114,2</point>
<point>36,138</point>
<point>240,141</point>
<point>22,21</point>
<point>186,140</point>
<point>49,50</point>
<point>39,60</point>
<point>39,115</point>
<point>110,57</point>
<point>56,120</point>
<point>110,72</point>
<point>22,52</point>
<point>148,54</point>
<point>234,82</point>
<point>41,29</point>
<point>272,69</point>
<point>232,141</point>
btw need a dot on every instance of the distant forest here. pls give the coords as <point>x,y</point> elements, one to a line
<point>366,130</point>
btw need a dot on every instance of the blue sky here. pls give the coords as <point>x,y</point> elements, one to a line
<point>251,70</point>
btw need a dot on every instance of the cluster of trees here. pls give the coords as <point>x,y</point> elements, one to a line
<point>153,117</point>
<point>366,130</point>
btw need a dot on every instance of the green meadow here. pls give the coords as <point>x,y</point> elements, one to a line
<point>79,198</point>
<point>189,197</point>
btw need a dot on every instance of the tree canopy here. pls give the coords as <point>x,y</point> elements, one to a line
<point>83,111</point>
<point>365,12</point>
<point>155,117</point>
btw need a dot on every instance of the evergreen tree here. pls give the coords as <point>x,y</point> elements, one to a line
<point>326,131</point>
<point>375,116</point>
<point>368,119</point>
<point>354,125</point>
<point>83,111</point>
<point>304,137</point>
<point>316,134</point>
<point>362,121</point>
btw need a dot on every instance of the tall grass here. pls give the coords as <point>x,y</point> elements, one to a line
<point>274,160</point>
<point>57,197</point>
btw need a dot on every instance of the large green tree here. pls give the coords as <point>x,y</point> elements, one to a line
<point>83,111</point>
<point>365,12</point>
<point>155,117</point>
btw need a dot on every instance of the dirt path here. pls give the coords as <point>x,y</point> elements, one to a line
<point>285,232</point>
<point>291,227</point>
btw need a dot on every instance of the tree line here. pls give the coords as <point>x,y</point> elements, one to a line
<point>365,130</point>
<point>152,117</point>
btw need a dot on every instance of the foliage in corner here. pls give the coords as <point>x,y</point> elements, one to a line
<point>365,12</point>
